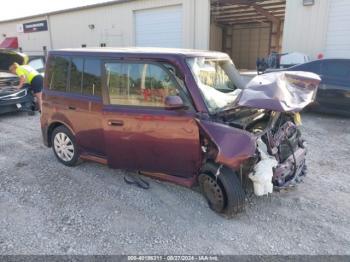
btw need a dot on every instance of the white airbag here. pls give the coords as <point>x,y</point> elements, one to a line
<point>263,171</point>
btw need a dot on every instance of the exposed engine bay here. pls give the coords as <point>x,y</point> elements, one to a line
<point>279,143</point>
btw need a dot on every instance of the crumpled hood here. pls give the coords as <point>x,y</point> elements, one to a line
<point>280,91</point>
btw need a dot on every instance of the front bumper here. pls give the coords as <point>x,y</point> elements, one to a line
<point>15,104</point>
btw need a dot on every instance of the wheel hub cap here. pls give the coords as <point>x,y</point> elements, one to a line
<point>64,147</point>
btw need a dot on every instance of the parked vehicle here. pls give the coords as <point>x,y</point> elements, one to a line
<point>38,63</point>
<point>278,61</point>
<point>333,95</point>
<point>177,115</point>
<point>12,99</point>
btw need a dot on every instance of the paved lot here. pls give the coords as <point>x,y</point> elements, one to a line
<point>46,208</point>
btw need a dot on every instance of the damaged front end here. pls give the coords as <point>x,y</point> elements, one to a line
<point>282,153</point>
<point>260,137</point>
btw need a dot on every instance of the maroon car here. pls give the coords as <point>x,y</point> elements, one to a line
<point>178,115</point>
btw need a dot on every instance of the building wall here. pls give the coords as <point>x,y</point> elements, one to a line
<point>216,36</point>
<point>114,25</point>
<point>30,42</point>
<point>338,31</point>
<point>247,42</point>
<point>305,28</point>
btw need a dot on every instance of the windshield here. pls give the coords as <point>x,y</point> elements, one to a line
<point>218,80</point>
<point>37,64</point>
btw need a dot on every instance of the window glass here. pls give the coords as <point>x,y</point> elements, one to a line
<point>138,84</point>
<point>58,73</point>
<point>212,74</point>
<point>216,81</point>
<point>338,69</point>
<point>37,64</point>
<point>92,77</point>
<point>76,74</point>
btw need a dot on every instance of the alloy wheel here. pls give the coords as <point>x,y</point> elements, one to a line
<point>64,147</point>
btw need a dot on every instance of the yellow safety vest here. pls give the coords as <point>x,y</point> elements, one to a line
<point>28,72</point>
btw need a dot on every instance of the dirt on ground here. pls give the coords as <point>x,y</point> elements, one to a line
<point>47,208</point>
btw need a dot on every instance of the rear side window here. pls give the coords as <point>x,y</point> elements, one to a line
<point>336,69</point>
<point>84,75</point>
<point>58,73</point>
<point>138,84</point>
<point>92,77</point>
<point>76,74</point>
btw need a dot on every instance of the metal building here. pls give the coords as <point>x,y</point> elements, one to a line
<point>243,28</point>
<point>318,27</point>
<point>168,23</point>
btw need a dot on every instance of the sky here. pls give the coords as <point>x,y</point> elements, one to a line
<point>20,8</point>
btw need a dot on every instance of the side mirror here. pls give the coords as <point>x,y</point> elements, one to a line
<point>173,103</point>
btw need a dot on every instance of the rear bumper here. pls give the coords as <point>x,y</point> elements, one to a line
<point>287,173</point>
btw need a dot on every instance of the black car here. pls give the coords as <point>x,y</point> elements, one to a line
<point>334,92</point>
<point>12,99</point>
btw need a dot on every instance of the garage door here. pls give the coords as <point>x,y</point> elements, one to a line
<point>161,27</point>
<point>338,35</point>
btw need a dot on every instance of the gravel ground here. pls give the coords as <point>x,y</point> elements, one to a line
<point>47,208</point>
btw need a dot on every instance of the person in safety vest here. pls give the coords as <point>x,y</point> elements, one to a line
<point>30,78</point>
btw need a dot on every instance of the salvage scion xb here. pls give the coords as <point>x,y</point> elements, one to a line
<point>178,115</point>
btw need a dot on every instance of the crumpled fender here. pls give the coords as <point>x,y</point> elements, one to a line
<point>234,145</point>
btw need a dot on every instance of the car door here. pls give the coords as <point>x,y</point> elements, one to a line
<point>85,104</point>
<point>140,134</point>
<point>74,95</point>
<point>334,91</point>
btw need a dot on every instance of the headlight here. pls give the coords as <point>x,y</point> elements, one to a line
<point>15,95</point>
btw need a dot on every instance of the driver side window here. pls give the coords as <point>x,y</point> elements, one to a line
<point>138,84</point>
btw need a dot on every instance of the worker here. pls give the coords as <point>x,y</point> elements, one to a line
<point>30,78</point>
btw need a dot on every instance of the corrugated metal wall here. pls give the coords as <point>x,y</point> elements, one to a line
<point>249,43</point>
<point>305,27</point>
<point>113,25</point>
<point>246,42</point>
<point>216,36</point>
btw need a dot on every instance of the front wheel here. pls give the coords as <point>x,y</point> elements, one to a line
<point>64,146</point>
<point>225,194</point>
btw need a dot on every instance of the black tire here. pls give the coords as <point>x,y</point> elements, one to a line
<point>227,184</point>
<point>72,159</point>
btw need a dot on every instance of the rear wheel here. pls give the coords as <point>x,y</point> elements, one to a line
<point>64,146</point>
<point>225,194</point>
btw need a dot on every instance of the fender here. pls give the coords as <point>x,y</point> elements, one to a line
<point>58,118</point>
<point>234,146</point>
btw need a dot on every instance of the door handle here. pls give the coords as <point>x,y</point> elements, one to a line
<point>72,108</point>
<point>115,122</point>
